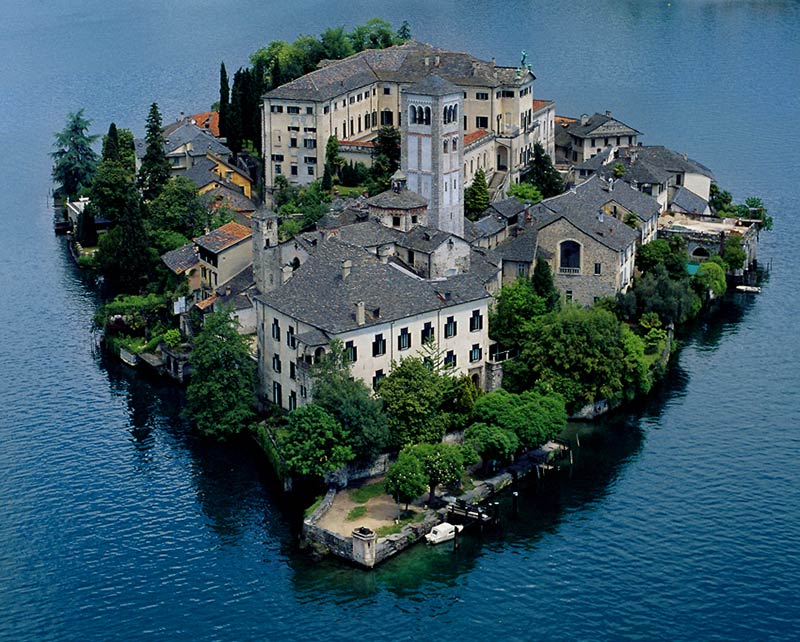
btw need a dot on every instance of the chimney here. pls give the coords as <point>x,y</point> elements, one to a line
<point>600,215</point>
<point>584,119</point>
<point>427,61</point>
<point>227,290</point>
<point>608,113</point>
<point>494,61</point>
<point>286,272</point>
<point>436,61</point>
<point>361,316</point>
<point>346,267</point>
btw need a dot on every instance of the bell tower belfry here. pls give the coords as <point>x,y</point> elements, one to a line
<point>432,154</point>
<point>265,251</point>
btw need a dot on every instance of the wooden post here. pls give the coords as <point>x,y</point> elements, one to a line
<point>577,440</point>
<point>455,539</point>
<point>515,503</point>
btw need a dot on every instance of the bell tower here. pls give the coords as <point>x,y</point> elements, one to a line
<point>265,250</point>
<point>432,154</point>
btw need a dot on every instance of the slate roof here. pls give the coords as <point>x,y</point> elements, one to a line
<point>405,63</point>
<point>519,248</point>
<point>402,200</point>
<point>600,125</point>
<point>229,196</point>
<point>508,207</point>
<point>224,237</point>
<point>313,337</point>
<point>239,283</point>
<point>597,161</point>
<point>201,173</point>
<point>484,265</point>
<point>595,192</point>
<point>424,239</point>
<point>182,133</point>
<point>688,201</point>
<point>318,295</point>
<point>368,233</point>
<point>655,164</point>
<point>432,85</point>
<point>489,225</point>
<point>182,259</point>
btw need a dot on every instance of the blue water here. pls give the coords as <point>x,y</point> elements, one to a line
<point>681,520</point>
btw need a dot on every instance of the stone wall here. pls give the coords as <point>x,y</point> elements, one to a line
<point>352,472</point>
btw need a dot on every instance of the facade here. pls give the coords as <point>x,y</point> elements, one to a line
<point>184,144</point>
<point>381,313</point>
<point>578,140</point>
<point>223,253</point>
<point>352,98</point>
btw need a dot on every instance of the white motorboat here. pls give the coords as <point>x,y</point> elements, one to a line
<point>444,532</point>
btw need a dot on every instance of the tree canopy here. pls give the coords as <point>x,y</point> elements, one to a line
<point>154,171</point>
<point>220,396</point>
<point>74,160</point>
<point>516,303</point>
<point>476,196</point>
<point>526,192</point>
<point>543,174</point>
<point>405,480</point>
<point>533,417</point>
<point>314,443</point>
<point>442,464</point>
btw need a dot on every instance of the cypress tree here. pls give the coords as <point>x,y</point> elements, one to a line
<point>476,196</point>
<point>154,172</point>
<point>224,100</point>
<point>235,116</point>
<point>111,144</point>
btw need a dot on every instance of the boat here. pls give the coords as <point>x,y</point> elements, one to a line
<point>748,288</point>
<point>444,532</point>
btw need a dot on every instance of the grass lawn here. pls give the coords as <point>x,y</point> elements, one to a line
<point>357,513</point>
<point>363,494</point>
<point>392,529</point>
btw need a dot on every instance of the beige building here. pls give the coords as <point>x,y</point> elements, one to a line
<point>352,98</point>
<point>223,253</point>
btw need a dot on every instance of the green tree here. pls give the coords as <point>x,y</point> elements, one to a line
<point>710,277</point>
<point>516,303</point>
<point>734,254</point>
<point>332,157</point>
<point>220,396</point>
<point>111,144</point>
<point>385,158</point>
<point>404,32</point>
<point>154,171</point>
<point>672,299</point>
<point>314,443</point>
<point>476,196</point>
<point>526,192</point>
<point>112,190</point>
<point>491,442</point>
<point>543,286</point>
<point>224,100</point>
<point>618,169</point>
<point>543,174</point>
<point>412,396</point>
<point>350,402</point>
<point>335,43</point>
<point>578,353</point>
<point>74,160</point>
<point>442,463</point>
<point>755,209</point>
<point>127,151</point>
<point>533,416</point>
<point>670,253</point>
<point>123,252</point>
<point>178,208</point>
<point>405,480</point>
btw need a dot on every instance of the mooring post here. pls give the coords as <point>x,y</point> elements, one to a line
<point>515,503</point>
<point>577,440</point>
<point>455,539</point>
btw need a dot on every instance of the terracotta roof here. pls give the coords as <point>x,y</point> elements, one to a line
<point>205,304</point>
<point>564,121</point>
<point>471,137</point>
<point>357,143</point>
<point>224,237</point>
<point>539,104</point>
<point>207,120</point>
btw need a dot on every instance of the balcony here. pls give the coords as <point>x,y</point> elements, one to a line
<point>569,270</point>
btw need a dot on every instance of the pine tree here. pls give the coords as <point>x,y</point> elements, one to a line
<point>224,101</point>
<point>124,259</point>
<point>542,173</point>
<point>542,281</point>
<point>476,196</point>
<point>111,144</point>
<point>236,114</point>
<point>154,172</point>
<point>74,159</point>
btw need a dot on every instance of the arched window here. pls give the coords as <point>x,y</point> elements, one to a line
<point>570,255</point>
<point>412,115</point>
<point>455,112</point>
<point>444,146</point>
<point>455,144</point>
<point>700,253</point>
<point>445,116</point>
<point>427,115</point>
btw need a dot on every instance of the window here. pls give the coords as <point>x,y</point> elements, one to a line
<point>293,129</point>
<point>387,91</point>
<point>292,110</point>
<point>404,340</point>
<point>378,346</point>
<point>444,146</point>
<point>293,170</point>
<point>377,379</point>
<point>522,269</point>
<point>326,109</point>
<point>450,359</point>
<point>277,397</point>
<point>482,122</point>
<point>312,130</point>
<point>387,117</point>
<point>292,400</point>
<point>303,392</point>
<point>411,258</point>
<point>310,170</point>
<point>570,254</point>
<point>374,119</point>
<point>505,93</point>
<point>310,143</point>
<point>455,144</point>
<point>277,158</point>
<point>291,341</point>
<point>427,333</point>
<point>598,268</point>
<point>276,363</point>
<point>475,353</point>
<point>276,109</point>
<point>395,221</point>
<point>476,321</point>
<point>568,296</point>
<point>678,179</point>
<point>276,330</point>
<point>450,328</point>
<point>293,142</point>
<point>278,168</point>
<point>350,352</point>
<point>482,95</point>
<point>310,160</point>
<point>309,110</point>
<point>292,370</point>
<point>352,99</point>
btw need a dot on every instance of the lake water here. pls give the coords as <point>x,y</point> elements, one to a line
<point>682,519</point>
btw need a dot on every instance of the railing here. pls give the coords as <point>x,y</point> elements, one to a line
<point>569,270</point>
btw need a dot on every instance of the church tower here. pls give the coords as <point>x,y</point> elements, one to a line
<point>265,251</point>
<point>432,154</point>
